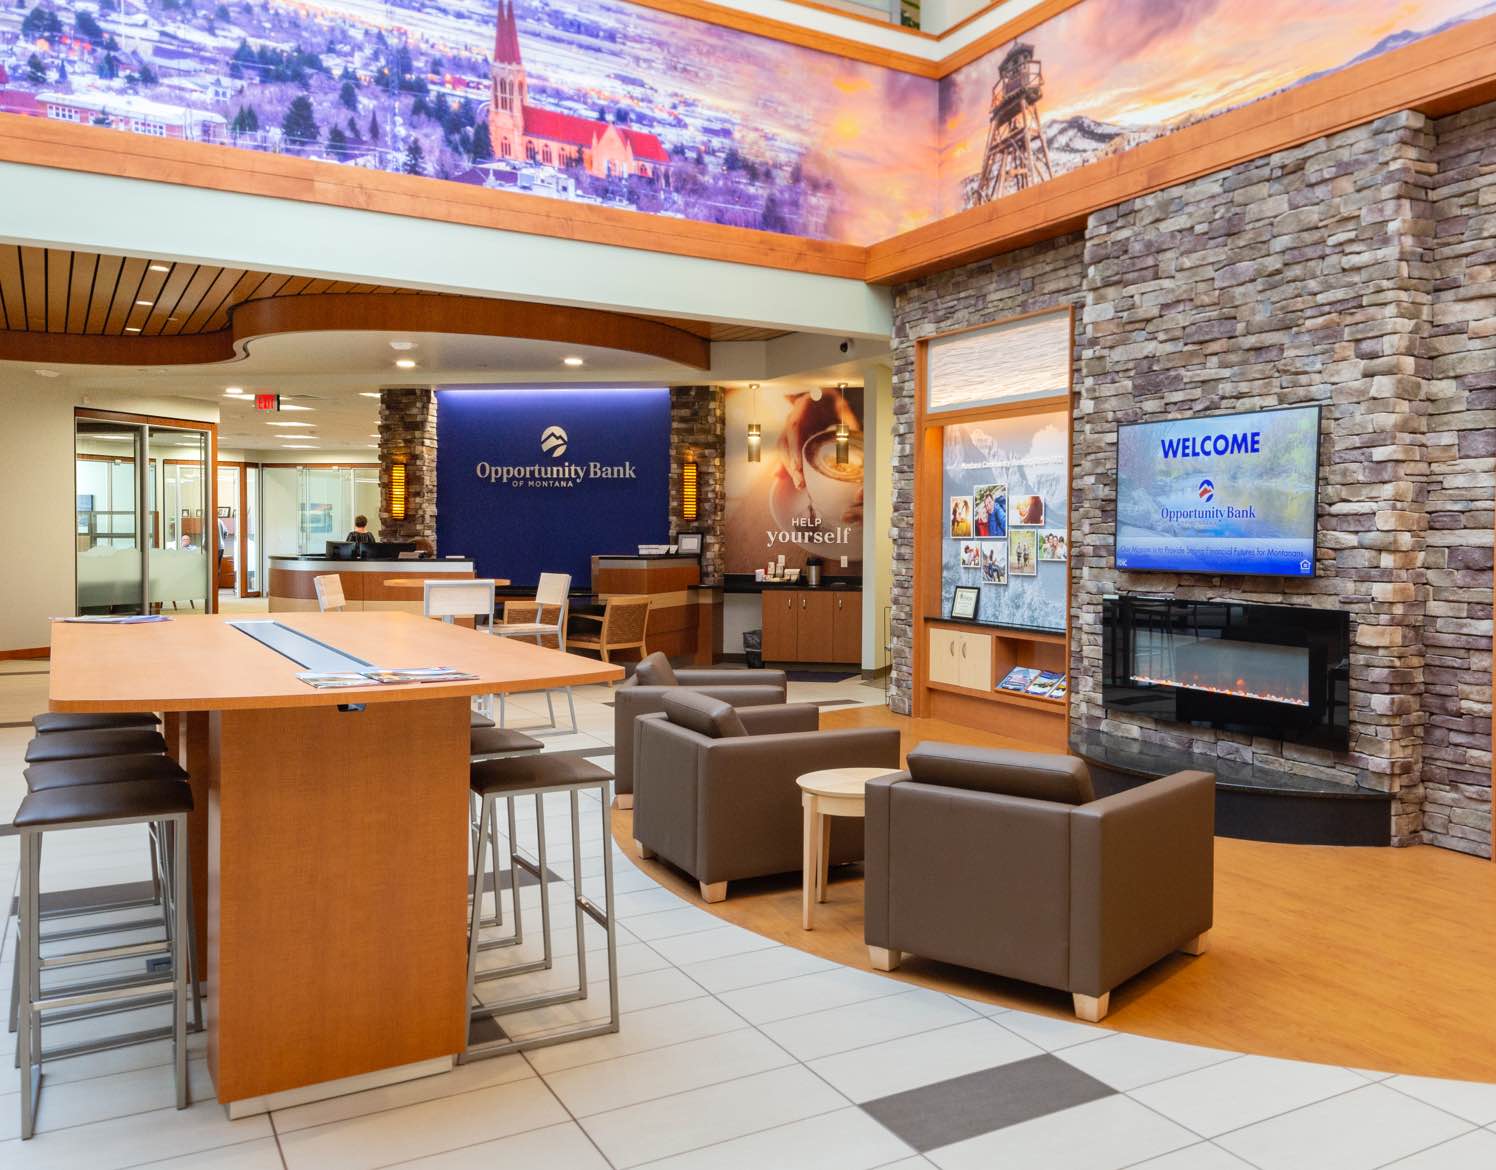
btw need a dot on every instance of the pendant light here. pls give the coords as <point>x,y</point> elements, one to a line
<point>755,431</point>
<point>843,434</point>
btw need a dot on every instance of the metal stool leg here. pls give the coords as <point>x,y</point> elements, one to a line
<point>572,703</point>
<point>181,964</point>
<point>609,919</point>
<point>576,891</point>
<point>544,876</point>
<point>550,708</point>
<point>476,919</point>
<point>28,942</point>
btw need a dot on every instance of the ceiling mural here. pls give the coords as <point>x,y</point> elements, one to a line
<point>607,103</point>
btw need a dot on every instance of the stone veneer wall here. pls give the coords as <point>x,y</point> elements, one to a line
<point>407,429</point>
<point>698,424</point>
<point>1354,272</point>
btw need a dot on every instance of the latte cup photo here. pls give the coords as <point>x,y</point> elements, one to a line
<point>831,486</point>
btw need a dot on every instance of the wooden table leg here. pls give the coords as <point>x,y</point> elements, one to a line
<point>823,860</point>
<point>810,864</point>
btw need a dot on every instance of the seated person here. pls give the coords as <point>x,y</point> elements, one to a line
<point>361,533</point>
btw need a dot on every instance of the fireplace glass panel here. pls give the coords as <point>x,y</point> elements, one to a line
<point>1207,662</point>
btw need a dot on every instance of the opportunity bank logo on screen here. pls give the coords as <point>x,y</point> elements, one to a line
<point>1207,491</point>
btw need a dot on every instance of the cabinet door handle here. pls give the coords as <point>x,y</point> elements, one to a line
<point>838,603</point>
<point>802,603</point>
<point>963,649</point>
<point>952,646</point>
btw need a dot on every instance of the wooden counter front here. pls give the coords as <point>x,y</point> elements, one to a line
<point>366,584</point>
<point>684,619</point>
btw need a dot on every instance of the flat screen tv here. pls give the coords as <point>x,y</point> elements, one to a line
<point>1221,494</point>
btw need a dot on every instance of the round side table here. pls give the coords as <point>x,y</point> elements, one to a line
<point>834,792</point>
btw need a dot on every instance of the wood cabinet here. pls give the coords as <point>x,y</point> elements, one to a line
<point>846,627</point>
<point>961,659</point>
<point>812,625</point>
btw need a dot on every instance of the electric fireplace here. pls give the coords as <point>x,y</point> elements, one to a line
<point>1272,670</point>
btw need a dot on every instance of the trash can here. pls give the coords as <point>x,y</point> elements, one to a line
<point>753,649</point>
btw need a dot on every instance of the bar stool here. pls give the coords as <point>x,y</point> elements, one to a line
<point>489,743</point>
<point>510,779</point>
<point>51,722</point>
<point>114,770</point>
<point>165,803</point>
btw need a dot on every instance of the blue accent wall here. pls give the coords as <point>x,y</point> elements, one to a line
<point>532,481</point>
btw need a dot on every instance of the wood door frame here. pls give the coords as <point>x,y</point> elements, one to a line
<point>241,565</point>
<point>929,491</point>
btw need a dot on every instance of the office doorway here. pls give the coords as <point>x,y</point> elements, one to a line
<point>238,569</point>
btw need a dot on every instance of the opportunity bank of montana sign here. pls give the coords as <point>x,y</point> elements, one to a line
<point>554,442</point>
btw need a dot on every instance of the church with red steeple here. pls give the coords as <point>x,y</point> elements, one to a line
<point>521,131</point>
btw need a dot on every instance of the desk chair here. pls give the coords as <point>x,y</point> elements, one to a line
<point>550,610</point>
<point>330,597</point>
<point>450,600</point>
<point>621,626</point>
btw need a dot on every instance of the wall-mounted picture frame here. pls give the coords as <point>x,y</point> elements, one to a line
<point>964,603</point>
<point>689,543</point>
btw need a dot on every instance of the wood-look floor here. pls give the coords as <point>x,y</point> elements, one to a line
<point>1374,958</point>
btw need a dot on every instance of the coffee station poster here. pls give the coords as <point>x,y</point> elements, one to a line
<point>797,500</point>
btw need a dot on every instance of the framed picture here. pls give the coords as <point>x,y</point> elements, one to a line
<point>971,554</point>
<point>1023,554</point>
<point>994,562</point>
<point>1053,547</point>
<point>989,503</point>
<point>960,514</point>
<point>1028,510</point>
<point>964,603</point>
<point>689,543</point>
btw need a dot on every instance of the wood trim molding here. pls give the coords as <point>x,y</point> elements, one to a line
<point>474,316</point>
<point>27,652</point>
<point>1009,30</point>
<point>1436,75</point>
<point>97,150</point>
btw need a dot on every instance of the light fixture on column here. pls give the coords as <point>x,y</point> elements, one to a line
<point>843,433</point>
<point>688,492</point>
<point>396,502</point>
<point>755,431</point>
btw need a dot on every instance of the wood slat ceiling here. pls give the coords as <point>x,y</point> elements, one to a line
<point>51,290</point>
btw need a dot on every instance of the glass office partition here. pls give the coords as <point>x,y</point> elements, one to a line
<point>250,580</point>
<point>229,524</point>
<point>326,507</point>
<point>109,501</point>
<point>179,565</point>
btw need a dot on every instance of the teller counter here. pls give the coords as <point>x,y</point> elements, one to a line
<point>366,584</point>
<point>685,619</point>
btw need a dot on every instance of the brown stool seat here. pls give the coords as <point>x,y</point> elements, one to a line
<point>79,803</point>
<point>102,770</point>
<point>531,773</point>
<point>490,741</point>
<point>50,722</point>
<point>477,719</point>
<point>80,745</point>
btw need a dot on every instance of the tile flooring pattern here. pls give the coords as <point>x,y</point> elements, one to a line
<point>738,1052</point>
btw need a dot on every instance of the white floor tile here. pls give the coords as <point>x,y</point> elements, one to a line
<point>809,993</point>
<point>1099,1135</point>
<point>640,1032</point>
<point>261,1154</point>
<point>766,966</point>
<point>845,1140</point>
<point>1354,1131</point>
<point>1468,1099</point>
<point>628,1080</point>
<point>704,945</point>
<point>865,1074</point>
<point>465,1078</point>
<point>1474,1151</point>
<point>687,1121</point>
<point>69,1104</point>
<point>1049,1032</point>
<point>430,1127</point>
<point>1204,1156</point>
<point>129,1141</point>
<point>557,1147</point>
<point>1236,1093</point>
<point>857,1025</point>
<point>1127,1062</point>
<point>669,923</point>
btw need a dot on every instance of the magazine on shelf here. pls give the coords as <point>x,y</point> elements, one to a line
<point>1045,683</point>
<point>1018,679</point>
<point>1060,688</point>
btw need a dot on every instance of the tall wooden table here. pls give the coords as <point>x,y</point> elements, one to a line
<point>329,846</point>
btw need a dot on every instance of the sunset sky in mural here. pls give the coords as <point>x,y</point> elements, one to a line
<point>1144,63</point>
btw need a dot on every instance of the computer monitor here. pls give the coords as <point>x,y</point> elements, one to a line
<point>341,550</point>
<point>387,550</point>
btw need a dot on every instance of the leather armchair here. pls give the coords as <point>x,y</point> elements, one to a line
<point>1003,861</point>
<point>644,691</point>
<point>715,786</point>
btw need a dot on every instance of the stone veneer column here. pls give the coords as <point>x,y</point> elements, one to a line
<point>407,431</point>
<point>698,424</point>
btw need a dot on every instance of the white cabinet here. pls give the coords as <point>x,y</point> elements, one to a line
<point>961,659</point>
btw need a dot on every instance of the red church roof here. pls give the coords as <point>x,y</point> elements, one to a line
<point>569,128</point>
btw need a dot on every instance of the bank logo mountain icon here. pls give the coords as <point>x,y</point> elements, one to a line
<point>553,442</point>
<point>1207,490</point>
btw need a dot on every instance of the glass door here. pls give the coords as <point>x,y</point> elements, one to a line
<point>249,580</point>
<point>230,562</point>
<point>179,561</point>
<point>110,504</point>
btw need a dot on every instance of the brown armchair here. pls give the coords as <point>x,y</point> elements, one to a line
<point>1003,861</point>
<point>643,693</point>
<point>715,792</point>
<point>621,626</point>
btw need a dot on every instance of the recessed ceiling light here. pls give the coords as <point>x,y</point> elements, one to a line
<point>160,267</point>
<point>290,424</point>
<point>146,303</point>
<point>132,328</point>
<point>405,363</point>
<point>45,373</point>
<point>299,447</point>
<point>373,436</point>
<point>368,394</point>
<point>572,361</point>
<point>233,389</point>
<point>402,346</point>
<point>292,406</point>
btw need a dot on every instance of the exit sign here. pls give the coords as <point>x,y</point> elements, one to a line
<point>267,402</point>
